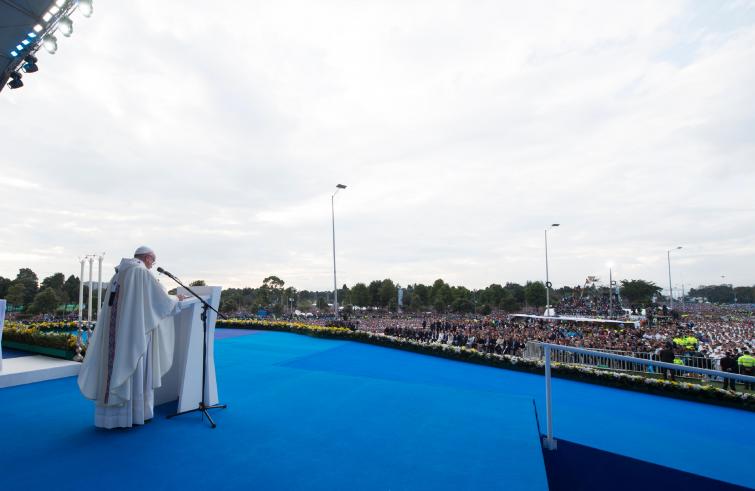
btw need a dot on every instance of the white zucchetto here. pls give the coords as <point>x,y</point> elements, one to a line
<point>143,250</point>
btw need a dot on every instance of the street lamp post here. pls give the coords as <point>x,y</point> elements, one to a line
<point>333,223</point>
<point>547,279</point>
<point>670,288</point>
<point>610,292</point>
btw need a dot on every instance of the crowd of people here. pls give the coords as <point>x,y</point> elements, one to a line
<point>592,306</point>
<point>720,334</point>
<point>707,338</point>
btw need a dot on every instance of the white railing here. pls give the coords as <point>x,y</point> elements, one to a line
<point>533,350</point>
<point>549,443</point>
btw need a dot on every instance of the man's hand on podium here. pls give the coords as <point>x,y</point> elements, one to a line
<point>181,296</point>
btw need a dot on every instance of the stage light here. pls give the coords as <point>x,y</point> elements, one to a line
<point>32,35</point>
<point>14,53</point>
<point>66,26</point>
<point>47,17</point>
<point>54,10</point>
<point>38,28</point>
<point>60,3</point>
<point>31,64</point>
<point>19,47</point>
<point>15,82</point>
<point>86,7</point>
<point>50,43</point>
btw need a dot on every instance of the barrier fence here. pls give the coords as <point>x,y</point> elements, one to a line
<point>548,349</point>
<point>533,350</point>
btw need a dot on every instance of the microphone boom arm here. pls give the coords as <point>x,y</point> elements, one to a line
<point>204,302</point>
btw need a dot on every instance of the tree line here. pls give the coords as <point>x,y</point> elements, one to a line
<point>439,297</point>
<point>26,293</point>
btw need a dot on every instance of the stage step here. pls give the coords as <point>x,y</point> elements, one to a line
<point>22,370</point>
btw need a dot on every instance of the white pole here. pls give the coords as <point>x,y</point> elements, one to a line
<point>91,284</point>
<point>550,443</point>
<point>333,223</point>
<point>547,281</point>
<point>79,331</point>
<point>81,293</point>
<point>670,288</point>
<point>335,283</point>
<point>610,293</point>
<point>99,287</point>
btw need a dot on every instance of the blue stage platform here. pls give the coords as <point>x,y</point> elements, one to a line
<point>308,413</point>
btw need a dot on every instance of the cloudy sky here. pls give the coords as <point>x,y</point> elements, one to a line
<point>216,134</point>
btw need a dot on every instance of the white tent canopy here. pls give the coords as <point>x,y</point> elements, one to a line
<point>580,319</point>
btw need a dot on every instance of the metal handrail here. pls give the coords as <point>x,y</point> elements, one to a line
<point>549,442</point>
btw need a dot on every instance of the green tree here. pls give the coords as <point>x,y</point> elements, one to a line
<point>534,293</point>
<point>360,295</point>
<point>639,292</point>
<point>55,281</point>
<point>273,282</point>
<point>462,305</point>
<point>274,286</point>
<point>492,295</point>
<point>344,295</point>
<point>230,300</point>
<point>290,295</point>
<point>714,293</point>
<point>374,289</point>
<point>45,302</point>
<point>29,280</point>
<point>745,294</point>
<point>508,303</point>
<point>322,303</point>
<point>386,293</point>
<point>516,291</point>
<point>198,283</point>
<point>4,285</point>
<point>15,295</point>
<point>441,295</point>
<point>422,298</point>
<point>439,306</point>
<point>71,289</point>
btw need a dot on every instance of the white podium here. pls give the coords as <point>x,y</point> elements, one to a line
<point>184,379</point>
<point>2,324</point>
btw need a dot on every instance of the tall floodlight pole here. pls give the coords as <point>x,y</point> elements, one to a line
<point>670,288</point>
<point>610,292</point>
<point>547,279</point>
<point>333,223</point>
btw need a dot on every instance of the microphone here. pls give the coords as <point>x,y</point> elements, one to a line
<point>166,273</point>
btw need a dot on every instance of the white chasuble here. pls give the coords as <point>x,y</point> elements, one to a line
<point>131,347</point>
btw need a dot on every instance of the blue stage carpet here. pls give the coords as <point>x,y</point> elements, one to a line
<point>308,413</point>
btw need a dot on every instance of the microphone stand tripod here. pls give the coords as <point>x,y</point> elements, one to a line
<point>203,406</point>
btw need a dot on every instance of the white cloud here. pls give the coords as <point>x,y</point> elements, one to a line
<point>462,129</point>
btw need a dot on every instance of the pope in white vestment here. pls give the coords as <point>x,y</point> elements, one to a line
<point>131,347</point>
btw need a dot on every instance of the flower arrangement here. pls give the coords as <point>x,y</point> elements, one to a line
<point>35,336</point>
<point>57,335</point>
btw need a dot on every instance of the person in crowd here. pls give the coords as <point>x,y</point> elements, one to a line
<point>729,365</point>
<point>746,364</point>
<point>666,355</point>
